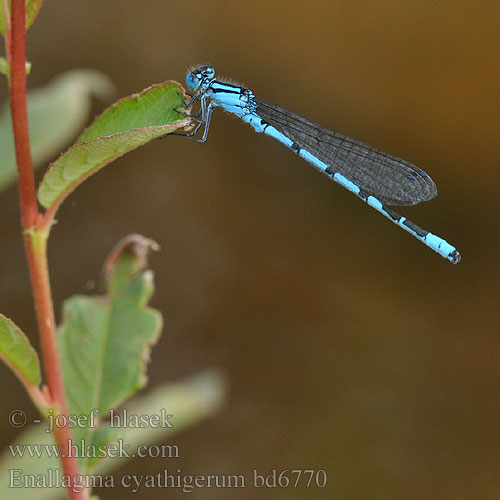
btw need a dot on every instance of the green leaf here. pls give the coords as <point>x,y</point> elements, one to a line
<point>56,112</point>
<point>104,342</point>
<point>32,8</point>
<point>129,257</point>
<point>189,401</point>
<point>16,351</point>
<point>127,124</point>
<point>4,66</point>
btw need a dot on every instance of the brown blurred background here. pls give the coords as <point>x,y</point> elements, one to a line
<point>349,345</point>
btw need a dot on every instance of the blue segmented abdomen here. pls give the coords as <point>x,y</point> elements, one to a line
<point>425,189</point>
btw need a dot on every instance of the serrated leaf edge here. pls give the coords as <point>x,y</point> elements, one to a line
<point>54,205</point>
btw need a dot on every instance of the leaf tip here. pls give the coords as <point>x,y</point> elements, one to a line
<point>128,258</point>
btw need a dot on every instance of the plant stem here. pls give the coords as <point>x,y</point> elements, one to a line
<point>36,235</point>
<point>36,241</point>
<point>17,60</point>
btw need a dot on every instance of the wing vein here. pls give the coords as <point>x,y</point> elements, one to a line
<point>392,180</point>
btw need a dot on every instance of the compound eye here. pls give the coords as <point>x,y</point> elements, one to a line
<point>208,71</point>
<point>192,81</point>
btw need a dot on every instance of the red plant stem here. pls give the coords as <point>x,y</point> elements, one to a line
<point>29,208</point>
<point>36,235</point>
<point>37,255</point>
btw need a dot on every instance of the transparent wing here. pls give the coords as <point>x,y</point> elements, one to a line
<point>392,180</point>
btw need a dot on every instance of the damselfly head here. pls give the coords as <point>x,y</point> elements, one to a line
<point>199,75</point>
